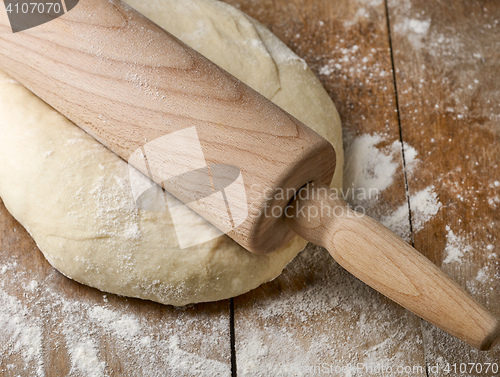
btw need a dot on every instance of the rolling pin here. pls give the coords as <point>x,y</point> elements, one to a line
<point>132,85</point>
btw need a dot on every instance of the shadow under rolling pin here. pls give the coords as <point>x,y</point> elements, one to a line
<point>85,64</point>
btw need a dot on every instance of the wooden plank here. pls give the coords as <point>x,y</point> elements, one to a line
<point>315,314</point>
<point>316,318</point>
<point>53,326</point>
<point>447,59</point>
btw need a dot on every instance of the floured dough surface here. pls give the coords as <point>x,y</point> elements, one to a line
<point>74,196</point>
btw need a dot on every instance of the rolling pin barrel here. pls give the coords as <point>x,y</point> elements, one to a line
<point>168,110</point>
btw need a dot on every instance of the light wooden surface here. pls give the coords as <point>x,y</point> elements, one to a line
<point>236,127</point>
<point>315,313</point>
<point>448,90</point>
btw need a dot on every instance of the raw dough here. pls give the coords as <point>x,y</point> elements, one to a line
<point>74,197</point>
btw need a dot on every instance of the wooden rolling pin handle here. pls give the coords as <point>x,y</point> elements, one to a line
<point>381,259</point>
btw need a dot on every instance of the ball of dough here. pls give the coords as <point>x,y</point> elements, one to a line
<point>74,196</point>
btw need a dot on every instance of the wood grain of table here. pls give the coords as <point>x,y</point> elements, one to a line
<point>413,73</point>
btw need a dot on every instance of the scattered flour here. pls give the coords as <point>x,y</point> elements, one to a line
<point>84,356</point>
<point>456,247</point>
<point>124,326</point>
<point>279,326</point>
<point>47,318</point>
<point>424,206</point>
<point>329,319</point>
<point>372,168</point>
<point>20,334</point>
<point>419,27</point>
<point>361,14</point>
<point>367,166</point>
<point>482,275</point>
<point>411,160</point>
<point>415,30</point>
<point>326,70</point>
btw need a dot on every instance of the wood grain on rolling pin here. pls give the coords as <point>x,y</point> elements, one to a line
<point>99,75</point>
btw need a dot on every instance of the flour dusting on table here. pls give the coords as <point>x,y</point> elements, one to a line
<point>90,333</point>
<point>455,247</point>
<point>38,319</point>
<point>372,168</point>
<point>368,166</point>
<point>424,206</point>
<point>317,315</point>
<point>279,325</point>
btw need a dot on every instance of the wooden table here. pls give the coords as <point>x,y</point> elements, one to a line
<point>419,74</point>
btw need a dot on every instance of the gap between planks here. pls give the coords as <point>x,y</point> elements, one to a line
<point>405,171</point>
